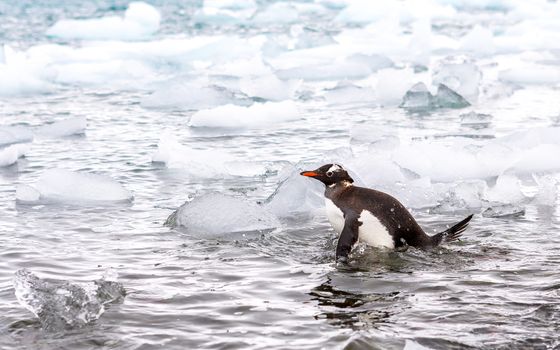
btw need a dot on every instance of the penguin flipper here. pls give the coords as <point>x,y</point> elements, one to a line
<point>348,237</point>
<point>453,233</point>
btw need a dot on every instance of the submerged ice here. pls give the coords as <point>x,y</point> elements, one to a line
<point>61,305</point>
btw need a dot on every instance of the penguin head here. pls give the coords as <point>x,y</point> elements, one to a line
<point>329,174</point>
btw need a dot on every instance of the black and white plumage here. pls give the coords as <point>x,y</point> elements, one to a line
<point>373,217</point>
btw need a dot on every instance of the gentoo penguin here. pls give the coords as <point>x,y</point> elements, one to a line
<point>371,216</point>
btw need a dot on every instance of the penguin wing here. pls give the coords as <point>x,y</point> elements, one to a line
<point>348,237</point>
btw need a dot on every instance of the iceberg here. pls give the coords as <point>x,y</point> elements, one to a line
<point>140,21</point>
<point>62,128</point>
<point>64,186</point>
<point>60,305</point>
<point>216,215</point>
<point>257,115</point>
<point>10,155</point>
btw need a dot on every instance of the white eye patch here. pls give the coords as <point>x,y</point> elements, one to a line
<point>334,167</point>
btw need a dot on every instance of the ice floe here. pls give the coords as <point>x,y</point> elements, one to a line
<point>140,21</point>
<point>460,74</point>
<point>15,134</point>
<point>218,215</point>
<point>61,305</point>
<point>64,186</point>
<point>269,87</point>
<point>62,128</point>
<point>257,115</point>
<point>189,96</point>
<point>10,155</point>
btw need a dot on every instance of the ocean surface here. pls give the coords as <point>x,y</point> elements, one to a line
<point>113,115</point>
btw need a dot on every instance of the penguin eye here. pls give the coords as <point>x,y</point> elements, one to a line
<point>329,173</point>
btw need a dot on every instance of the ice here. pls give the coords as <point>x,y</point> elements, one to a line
<point>217,215</point>
<point>392,84</point>
<point>447,98</point>
<point>296,195</point>
<point>418,97</point>
<point>345,93</point>
<point>10,155</point>
<point>531,75</point>
<point>269,87</point>
<point>140,21</point>
<point>504,211</point>
<point>475,120</point>
<point>374,62</point>
<point>61,305</point>
<point>257,115</point>
<point>22,78</point>
<point>547,194</point>
<point>188,95</point>
<point>62,128</point>
<point>277,13</point>
<point>327,71</point>
<point>479,41</point>
<point>506,190</point>
<point>203,163</point>
<point>64,186</point>
<point>460,74</point>
<point>231,4</point>
<point>14,134</point>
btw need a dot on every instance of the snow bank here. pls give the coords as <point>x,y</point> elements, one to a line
<point>58,185</point>
<point>140,21</point>
<point>256,116</point>
<point>218,215</point>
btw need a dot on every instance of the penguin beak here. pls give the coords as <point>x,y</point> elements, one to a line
<point>309,173</point>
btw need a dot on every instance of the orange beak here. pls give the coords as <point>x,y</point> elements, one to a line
<point>309,173</point>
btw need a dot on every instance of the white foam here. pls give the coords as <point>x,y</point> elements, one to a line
<point>140,21</point>
<point>217,215</point>
<point>256,116</point>
<point>59,185</point>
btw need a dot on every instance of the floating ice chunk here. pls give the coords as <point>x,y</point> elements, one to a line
<point>309,37</point>
<point>412,345</point>
<point>277,13</point>
<point>392,85</point>
<point>231,4</point>
<point>58,185</point>
<point>374,62</point>
<point>217,214</point>
<point>506,190</point>
<point>531,75</point>
<point>464,195</point>
<point>237,117</point>
<point>216,12</point>
<point>345,93</point>
<point>140,20</point>
<point>329,71</point>
<point>14,134</point>
<point>296,195</point>
<point>540,158</point>
<point>269,87</point>
<point>61,305</point>
<point>447,98</point>
<point>118,72</point>
<point>9,155</point>
<point>68,127</point>
<point>363,12</point>
<point>504,211</point>
<point>460,74</point>
<point>203,163</point>
<point>479,40</point>
<point>418,97</point>
<point>491,5</point>
<point>191,96</point>
<point>547,191</point>
<point>475,120</point>
<point>21,78</point>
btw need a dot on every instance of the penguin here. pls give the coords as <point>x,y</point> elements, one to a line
<point>371,216</point>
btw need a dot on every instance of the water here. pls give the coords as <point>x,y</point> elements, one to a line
<point>496,289</point>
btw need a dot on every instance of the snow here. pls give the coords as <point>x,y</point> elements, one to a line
<point>140,21</point>
<point>257,115</point>
<point>216,215</point>
<point>64,186</point>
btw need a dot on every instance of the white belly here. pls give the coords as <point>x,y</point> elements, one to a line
<point>371,231</point>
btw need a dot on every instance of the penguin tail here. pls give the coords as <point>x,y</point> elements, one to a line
<point>453,233</point>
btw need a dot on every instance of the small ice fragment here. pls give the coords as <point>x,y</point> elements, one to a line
<point>140,20</point>
<point>418,97</point>
<point>58,185</point>
<point>345,93</point>
<point>61,305</point>
<point>506,190</point>
<point>531,75</point>
<point>14,134</point>
<point>447,98</point>
<point>326,71</point>
<point>374,62</point>
<point>216,214</point>
<point>269,87</point>
<point>9,155</point>
<point>504,211</point>
<point>459,74</point>
<point>68,127</point>
<point>476,120</point>
<point>190,96</point>
<point>255,116</point>
<point>279,12</point>
<point>547,194</point>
